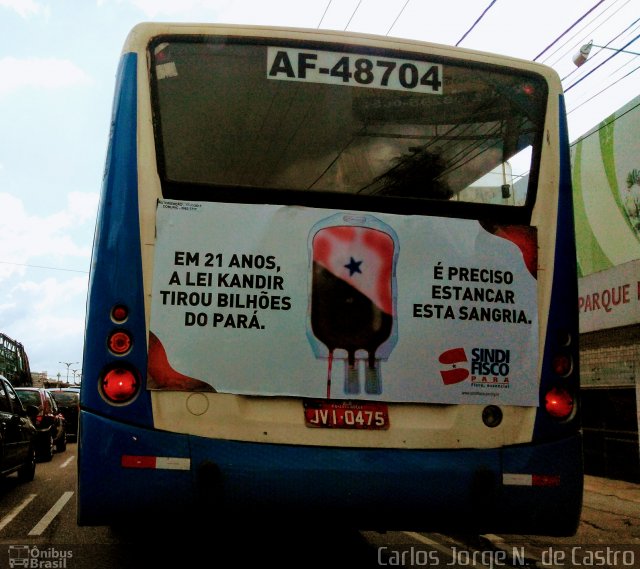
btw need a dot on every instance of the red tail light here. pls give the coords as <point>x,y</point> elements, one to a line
<point>562,365</point>
<point>559,403</point>
<point>120,385</point>
<point>119,313</point>
<point>120,342</point>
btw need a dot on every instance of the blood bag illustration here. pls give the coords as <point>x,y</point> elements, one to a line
<point>352,298</point>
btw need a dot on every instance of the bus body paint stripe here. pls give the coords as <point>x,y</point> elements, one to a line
<point>510,479</point>
<point>129,461</point>
<point>173,463</point>
<point>156,462</point>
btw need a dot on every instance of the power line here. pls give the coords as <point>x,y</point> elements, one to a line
<point>568,29</point>
<point>44,267</point>
<point>478,20</point>
<point>324,13</point>
<point>606,45</point>
<point>397,17</point>
<point>623,66</point>
<point>603,90</point>
<point>606,124</point>
<point>352,15</point>
<point>601,64</point>
<point>563,56</point>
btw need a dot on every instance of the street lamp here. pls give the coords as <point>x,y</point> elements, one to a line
<point>68,364</point>
<point>76,374</point>
<point>582,56</point>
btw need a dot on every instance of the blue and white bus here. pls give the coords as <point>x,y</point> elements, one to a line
<point>333,274</point>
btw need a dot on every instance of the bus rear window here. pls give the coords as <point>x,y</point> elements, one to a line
<point>241,115</point>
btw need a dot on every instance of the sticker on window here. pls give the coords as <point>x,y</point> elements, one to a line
<point>354,70</point>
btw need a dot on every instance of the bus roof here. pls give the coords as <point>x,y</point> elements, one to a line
<point>140,35</point>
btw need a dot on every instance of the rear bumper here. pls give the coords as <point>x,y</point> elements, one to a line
<point>43,437</point>
<point>126,471</point>
<point>71,426</point>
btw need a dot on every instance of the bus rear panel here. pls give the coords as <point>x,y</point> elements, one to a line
<point>333,274</point>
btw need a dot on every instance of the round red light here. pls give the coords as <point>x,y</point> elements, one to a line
<point>564,338</point>
<point>562,365</point>
<point>119,385</point>
<point>120,342</point>
<point>119,313</point>
<point>559,403</point>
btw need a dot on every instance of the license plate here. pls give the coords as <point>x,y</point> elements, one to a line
<point>346,415</point>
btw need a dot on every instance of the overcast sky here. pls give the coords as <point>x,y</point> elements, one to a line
<point>57,69</point>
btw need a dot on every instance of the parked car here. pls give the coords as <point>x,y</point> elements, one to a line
<point>68,400</point>
<point>18,441</point>
<point>49,422</point>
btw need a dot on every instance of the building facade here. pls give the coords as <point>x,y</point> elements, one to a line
<point>606,186</point>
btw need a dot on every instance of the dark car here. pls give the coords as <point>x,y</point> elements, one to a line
<point>18,440</point>
<point>68,400</point>
<point>49,422</point>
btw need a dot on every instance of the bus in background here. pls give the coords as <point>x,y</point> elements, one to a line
<point>333,274</point>
<point>14,363</point>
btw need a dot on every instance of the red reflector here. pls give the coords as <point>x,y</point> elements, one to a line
<point>561,365</point>
<point>119,385</point>
<point>119,313</point>
<point>564,338</point>
<point>559,403</point>
<point>545,480</point>
<point>130,461</point>
<point>120,342</point>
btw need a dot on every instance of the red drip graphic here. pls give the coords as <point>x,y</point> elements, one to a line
<point>526,239</point>
<point>163,376</point>
<point>329,367</point>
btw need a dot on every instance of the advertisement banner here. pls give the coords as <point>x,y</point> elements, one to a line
<point>305,302</point>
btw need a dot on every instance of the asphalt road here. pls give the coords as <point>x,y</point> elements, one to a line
<point>38,529</point>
